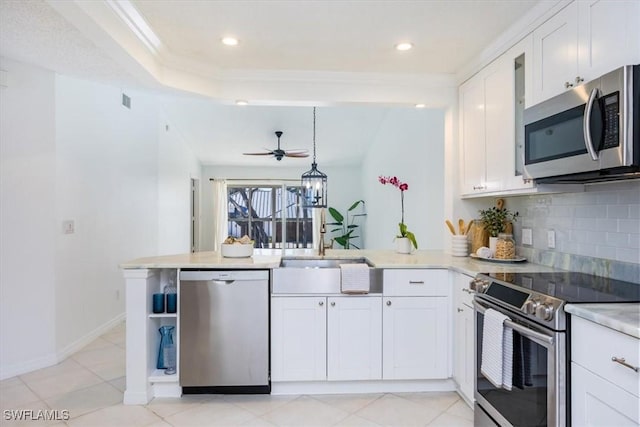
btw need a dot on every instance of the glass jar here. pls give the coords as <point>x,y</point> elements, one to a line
<point>505,247</point>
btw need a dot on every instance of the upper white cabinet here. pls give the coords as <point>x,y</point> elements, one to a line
<point>583,41</point>
<point>491,105</point>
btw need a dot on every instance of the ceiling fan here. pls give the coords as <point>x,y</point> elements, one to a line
<point>279,153</point>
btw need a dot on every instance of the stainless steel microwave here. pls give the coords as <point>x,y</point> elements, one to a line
<point>588,134</point>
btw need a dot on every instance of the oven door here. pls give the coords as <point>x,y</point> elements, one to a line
<point>538,395</point>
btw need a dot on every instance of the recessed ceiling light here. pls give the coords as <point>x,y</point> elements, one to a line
<point>242,102</point>
<point>230,41</point>
<point>421,105</point>
<point>404,46</point>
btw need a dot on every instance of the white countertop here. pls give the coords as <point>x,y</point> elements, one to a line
<point>270,258</point>
<point>623,317</point>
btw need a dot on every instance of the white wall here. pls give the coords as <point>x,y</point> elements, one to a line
<point>176,166</point>
<point>409,145</point>
<point>344,186</point>
<point>71,151</point>
<point>28,225</point>
<point>106,183</point>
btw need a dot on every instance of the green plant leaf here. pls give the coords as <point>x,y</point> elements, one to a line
<point>334,223</point>
<point>352,226</point>
<point>355,205</point>
<point>336,215</point>
<point>342,241</point>
<point>354,246</point>
<point>403,229</point>
<point>336,229</point>
<point>412,238</point>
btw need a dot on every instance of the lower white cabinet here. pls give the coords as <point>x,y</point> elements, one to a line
<point>354,338</point>
<point>298,338</point>
<point>320,338</point>
<point>415,337</point>
<point>463,336</point>
<point>605,388</point>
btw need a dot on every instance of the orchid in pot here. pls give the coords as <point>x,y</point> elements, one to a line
<point>404,232</point>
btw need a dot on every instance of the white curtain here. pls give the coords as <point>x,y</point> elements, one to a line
<point>220,211</point>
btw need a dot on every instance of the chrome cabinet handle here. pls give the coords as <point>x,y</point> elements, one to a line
<point>321,303</point>
<point>460,310</point>
<point>416,282</point>
<point>467,290</point>
<point>567,85</point>
<point>333,303</point>
<point>623,362</point>
<point>579,80</point>
<point>388,302</point>
<point>478,187</point>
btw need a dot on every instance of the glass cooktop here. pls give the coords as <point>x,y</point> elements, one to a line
<point>574,287</point>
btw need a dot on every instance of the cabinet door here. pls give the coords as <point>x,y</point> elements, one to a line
<point>298,338</point>
<point>473,135</point>
<point>415,340</point>
<point>463,349</point>
<point>499,124</point>
<point>597,402</point>
<point>555,53</point>
<point>608,36</point>
<point>354,338</point>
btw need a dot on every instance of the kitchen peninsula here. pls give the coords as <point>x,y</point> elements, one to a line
<point>432,279</point>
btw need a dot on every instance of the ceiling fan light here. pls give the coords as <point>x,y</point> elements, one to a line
<point>230,41</point>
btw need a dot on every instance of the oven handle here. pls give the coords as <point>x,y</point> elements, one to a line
<point>588,142</point>
<point>525,332</point>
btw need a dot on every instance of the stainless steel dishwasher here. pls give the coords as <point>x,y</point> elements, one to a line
<point>224,331</point>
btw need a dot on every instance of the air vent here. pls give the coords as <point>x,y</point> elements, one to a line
<point>126,101</point>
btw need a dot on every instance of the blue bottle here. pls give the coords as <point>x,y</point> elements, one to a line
<point>167,350</point>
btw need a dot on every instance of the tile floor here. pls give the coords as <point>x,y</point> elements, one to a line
<point>90,386</point>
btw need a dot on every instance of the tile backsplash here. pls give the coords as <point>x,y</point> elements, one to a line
<point>596,231</point>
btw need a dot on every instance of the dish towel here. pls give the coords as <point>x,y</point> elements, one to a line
<point>354,278</point>
<point>497,349</point>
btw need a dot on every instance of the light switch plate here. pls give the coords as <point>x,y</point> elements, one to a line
<point>527,236</point>
<point>551,239</point>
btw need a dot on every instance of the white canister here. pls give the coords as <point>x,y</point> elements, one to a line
<point>459,245</point>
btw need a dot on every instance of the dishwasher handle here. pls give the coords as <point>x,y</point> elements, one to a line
<point>222,276</point>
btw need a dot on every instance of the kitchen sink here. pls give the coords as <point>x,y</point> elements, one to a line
<point>320,262</point>
<point>317,276</point>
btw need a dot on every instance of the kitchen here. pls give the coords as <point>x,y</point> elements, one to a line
<point>119,196</point>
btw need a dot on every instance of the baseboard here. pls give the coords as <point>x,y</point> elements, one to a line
<point>53,359</point>
<point>82,342</point>
<point>348,387</point>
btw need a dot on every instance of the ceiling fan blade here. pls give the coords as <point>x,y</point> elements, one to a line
<point>259,154</point>
<point>296,154</point>
<point>297,150</point>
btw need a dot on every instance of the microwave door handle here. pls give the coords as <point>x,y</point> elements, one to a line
<point>588,142</point>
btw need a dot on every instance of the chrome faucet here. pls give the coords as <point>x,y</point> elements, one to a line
<point>323,231</point>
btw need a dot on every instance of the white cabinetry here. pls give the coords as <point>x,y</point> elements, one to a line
<point>604,392</point>
<point>463,341</point>
<point>491,105</point>
<point>354,338</point>
<point>416,323</point>
<point>320,338</point>
<point>584,40</point>
<point>298,338</point>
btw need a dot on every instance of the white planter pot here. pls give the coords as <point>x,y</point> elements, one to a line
<point>403,245</point>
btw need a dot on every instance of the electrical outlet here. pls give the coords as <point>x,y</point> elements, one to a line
<point>527,236</point>
<point>551,239</point>
<point>68,227</point>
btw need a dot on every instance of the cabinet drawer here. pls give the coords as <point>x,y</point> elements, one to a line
<point>404,283</point>
<point>593,346</point>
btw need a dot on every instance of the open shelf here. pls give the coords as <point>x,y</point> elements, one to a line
<point>169,315</point>
<point>158,376</point>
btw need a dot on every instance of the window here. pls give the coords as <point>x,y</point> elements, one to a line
<point>271,215</point>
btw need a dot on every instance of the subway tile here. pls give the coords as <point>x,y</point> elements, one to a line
<point>628,226</point>
<point>561,211</point>
<point>607,198</point>
<point>591,211</point>
<point>634,240</point>
<point>587,250</point>
<point>606,224</point>
<point>617,239</point>
<point>606,252</point>
<point>618,211</point>
<point>628,255</point>
<point>629,196</point>
<point>579,236</point>
<point>596,237</point>
<point>634,211</point>
<point>585,224</point>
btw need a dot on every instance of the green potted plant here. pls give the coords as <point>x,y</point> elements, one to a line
<point>406,239</point>
<point>495,221</point>
<point>346,226</point>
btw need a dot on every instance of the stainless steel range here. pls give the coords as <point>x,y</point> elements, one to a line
<point>534,306</point>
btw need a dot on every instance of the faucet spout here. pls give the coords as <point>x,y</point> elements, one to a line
<point>322,246</point>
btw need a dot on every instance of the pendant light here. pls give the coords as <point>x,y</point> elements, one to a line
<point>314,182</point>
